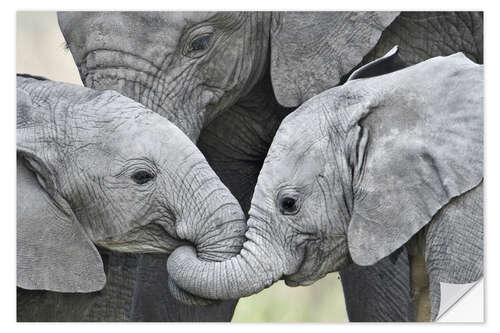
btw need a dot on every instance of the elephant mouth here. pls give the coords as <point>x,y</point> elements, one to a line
<point>305,277</point>
<point>314,264</point>
<point>306,246</point>
<point>152,238</point>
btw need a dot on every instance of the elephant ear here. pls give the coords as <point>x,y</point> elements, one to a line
<point>419,144</point>
<point>312,51</point>
<point>53,251</point>
<point>388,63</point>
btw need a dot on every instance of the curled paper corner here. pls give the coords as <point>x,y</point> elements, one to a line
<point>453,308</point>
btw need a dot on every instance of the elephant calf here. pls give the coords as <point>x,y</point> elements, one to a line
<point>98,168</point>
<point>393,157</point>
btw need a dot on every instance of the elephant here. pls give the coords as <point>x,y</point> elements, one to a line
<point>95,168</point>
<point>227,80</point>
<point>393,158</point>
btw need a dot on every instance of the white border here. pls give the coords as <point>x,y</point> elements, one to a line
<point>492,121</point>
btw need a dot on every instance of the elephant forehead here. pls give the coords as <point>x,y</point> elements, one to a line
<point>150,135</point>
<point>150,34</point>
<point>120,25</point>
<point>173,18</point>
<point>297,164</point>
<point>295,129</point>
<point>300,134</point>
<point>155,21</point>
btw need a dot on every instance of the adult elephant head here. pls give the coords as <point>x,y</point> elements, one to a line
<point>354,174</point>
<point>189,67</point>
<point>99,168</point>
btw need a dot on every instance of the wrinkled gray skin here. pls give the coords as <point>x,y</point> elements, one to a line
<point>231,97</point>
<point>356,172</point>
<point>99,168</point>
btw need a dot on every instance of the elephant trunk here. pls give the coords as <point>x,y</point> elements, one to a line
<point>138,79</point>
<point>210,217</point>
<point>242,275</point>
<point>206,214</point>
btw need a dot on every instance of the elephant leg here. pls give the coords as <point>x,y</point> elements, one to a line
<point>419,277</point>
<point>423,35</point>
<point>381,292</point>
<point>454,244</point>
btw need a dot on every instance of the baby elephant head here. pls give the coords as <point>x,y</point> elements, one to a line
<point>99,168</point>
<point>353,174</point>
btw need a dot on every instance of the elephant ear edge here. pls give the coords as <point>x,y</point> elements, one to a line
<point>423,145</point>
<point>53,251</point>
<point>312,51</point>
<point>388,63</point>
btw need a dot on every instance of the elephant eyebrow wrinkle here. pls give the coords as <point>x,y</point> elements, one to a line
<point>230,21</point>
<point>137,162</point>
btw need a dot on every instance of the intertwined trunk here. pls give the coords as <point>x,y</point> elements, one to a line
<point>241,275</point>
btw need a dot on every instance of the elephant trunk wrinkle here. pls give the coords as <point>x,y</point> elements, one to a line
<point>216,283</point>
<point>151,88</point>
<point>241,275</point>
<point>211,219</point>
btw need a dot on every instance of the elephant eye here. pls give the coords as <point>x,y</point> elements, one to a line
<point>198,45</point>
<point>142,177</point>
<point>288,206</point>
<point>201,43</point>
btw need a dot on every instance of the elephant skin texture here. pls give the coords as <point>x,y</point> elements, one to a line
<point>228,79</point>
<point>97,168</point>
<point>355,174</point>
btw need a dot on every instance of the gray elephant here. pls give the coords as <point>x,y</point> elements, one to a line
<point>227,80</point>
<point>97,168</point>
<point>356,173</point>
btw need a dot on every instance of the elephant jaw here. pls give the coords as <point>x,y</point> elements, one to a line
<point>313,267</point>
<point>151,238</point>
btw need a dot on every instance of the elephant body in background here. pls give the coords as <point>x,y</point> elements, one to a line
<point>359,171</point>
<point>227,80</point>
<point>97,168</point>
